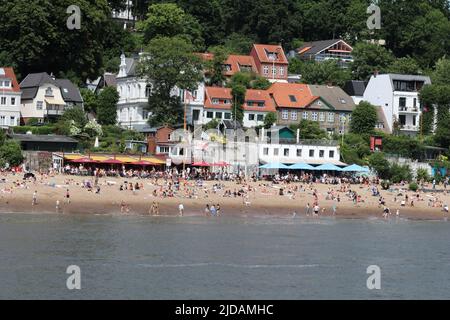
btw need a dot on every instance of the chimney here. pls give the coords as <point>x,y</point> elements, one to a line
<point>52,76</point>
<point>375,73</point>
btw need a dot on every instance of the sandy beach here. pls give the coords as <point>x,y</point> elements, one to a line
<point>262,201</point>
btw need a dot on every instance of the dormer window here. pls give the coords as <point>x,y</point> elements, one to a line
<point>292,98</point>
<point>215,101</point>
<point>49,92</point>
<point>227,67</point>
<point>5,84</point>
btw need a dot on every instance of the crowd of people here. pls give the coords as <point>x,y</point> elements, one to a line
<point>207,186</point>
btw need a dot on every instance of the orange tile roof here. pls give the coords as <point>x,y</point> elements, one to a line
<point>262,56</point>
<point>9,74</point>
<point>235,61</point>
<point>217,93</point>
<point>251,95</point>
<point>281,92</point>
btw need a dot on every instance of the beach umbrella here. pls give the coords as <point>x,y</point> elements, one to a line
<point>143,163</point>
<point>327,167</point>
<point>355,168</point>
<point>301,166</point>
<point>201,164</point>
<point>274,165</point>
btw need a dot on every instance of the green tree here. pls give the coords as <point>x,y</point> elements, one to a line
<point>238,93</point>
<point>215,66</point>
<point>270,119</point>
<point>107,106</point>
<point>90,100</point>
<point>370,58</point>
<point>380,165</point>
<point>442,135</point>
<point>2,137</point>
<point>11,153</point>
<point>211,124</point>
<point>170,63</point>
<point>406,65</point>
<point>327,72</point>
<point>76,114</point>
<point>169,20</point>
<point>35,36</point>
<point>441,74</point>
<point>364,118</point>
<point>310,130</point>
<point>238,44</point>
<point>260,83</point>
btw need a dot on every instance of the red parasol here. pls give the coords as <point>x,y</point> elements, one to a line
<point>201,164</point>
<point>112,161</point>
<point>221,164</point>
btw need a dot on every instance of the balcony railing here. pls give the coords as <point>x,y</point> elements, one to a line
<point>408,109</point>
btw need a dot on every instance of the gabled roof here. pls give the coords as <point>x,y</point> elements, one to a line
<point>8,73</point>
<point>316,47</point>
<point>35,80</point>
<point>30,86</point>
<point>69,91</point>
<point>292,95</point>
<point>250,95</point>
<point>217,93</point>
<point>355,88</point>
<point>335,96</point>
<point>236,61</point>
<point>262,49</point>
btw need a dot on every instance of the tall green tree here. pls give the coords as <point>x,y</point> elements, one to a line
<point>169,20</point>
<point>10,153</point>
<point>170,63</point>
<point>364,118</point>
<point>441,73</point>
<point>327,72</point>
<point>405,65</point>
<point>35,36</point>
<point>370,58</point>
<point>107,106</point>
<point>238,92</point>
<point>215,66</point>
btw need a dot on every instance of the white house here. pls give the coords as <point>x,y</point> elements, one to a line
<point>10,96</point>
<point>398,95</point>
<point>45,97</point>
<point>133,91</point>
<point>193,103</point>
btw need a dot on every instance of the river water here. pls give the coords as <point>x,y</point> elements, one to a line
<point>226,258</point>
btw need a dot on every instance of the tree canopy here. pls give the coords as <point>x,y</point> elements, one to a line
<point>364,118</point>
<point>170,63</point>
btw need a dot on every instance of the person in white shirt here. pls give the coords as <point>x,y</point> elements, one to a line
<point>181,209</point>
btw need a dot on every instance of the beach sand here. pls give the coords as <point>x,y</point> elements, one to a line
<point>270,204</point>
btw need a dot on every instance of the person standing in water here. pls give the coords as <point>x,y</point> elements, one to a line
<point>67,196</point>
<point>181,209</point>
<point>34,201</point>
